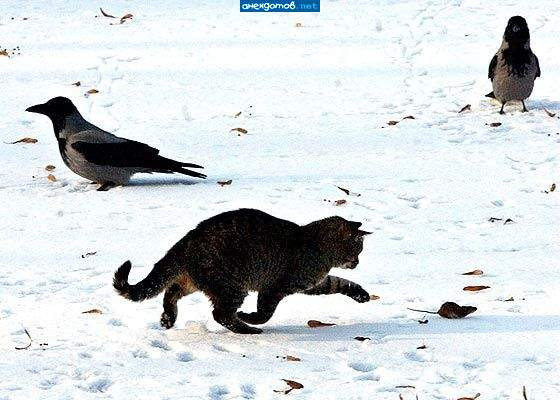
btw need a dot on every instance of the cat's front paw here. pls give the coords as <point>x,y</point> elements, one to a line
<point>361,296</point>
<point>167,321</point>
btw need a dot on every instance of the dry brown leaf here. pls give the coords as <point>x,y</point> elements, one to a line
<point>50,168</point>
<point>298,25</point>
<point>475,272</point>
<point>476,396</point>
<point>51,178</point>
<point>4,53</point>
<point>494,124</point>
<point>92,91</point>
<point>292,358</point>
<point>91,253</point>
<point>125,17</point>
<point>391,123</point>
<point>25,140</point>
<point>423,347</point>
<point>524,393</point>
<point>423,321</point>
<point>405,387</point>
<point>550,114</point>
<point>339,202</point>
<point>409,117</point>
<point>344,190</point>
<point>452,310</point>
<point>105,14</point>
<point>77,83</point>
<point>237,114</point>
<point>361,338</point>
<point>466,108</point>
<point>313,323</point>
<point>292,384</point>
<point>475,288</point>
<point>93,311</point>
<point>494,219</point>
<point>225,183</point>
<point>510,299</point>
<point>552,188</point>
<point>509,221</point>
<point>240,130</point>
<point>374,297</point>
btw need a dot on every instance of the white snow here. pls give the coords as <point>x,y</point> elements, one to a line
<point>316,101</point>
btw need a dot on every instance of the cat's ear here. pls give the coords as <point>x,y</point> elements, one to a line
<point>355,225</point>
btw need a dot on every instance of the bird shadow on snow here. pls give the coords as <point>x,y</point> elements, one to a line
<point>544,103</point>
<point>436,326</point>
<point>163,182</point>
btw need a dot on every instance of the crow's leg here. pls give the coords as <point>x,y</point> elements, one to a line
<point>502,109</point>
<point>106,186</point>
<point>524,108</point>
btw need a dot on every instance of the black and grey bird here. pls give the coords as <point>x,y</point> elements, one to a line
<point>514,68</point>
<point>100,156</point>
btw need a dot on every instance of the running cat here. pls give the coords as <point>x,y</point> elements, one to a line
<point>245,250</point>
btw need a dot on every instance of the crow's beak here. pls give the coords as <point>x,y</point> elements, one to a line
<point>39,109</point>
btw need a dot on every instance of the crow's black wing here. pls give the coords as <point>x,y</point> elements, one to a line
<point>538,67</point>
<point>492,67</point>
<point>121,154</point>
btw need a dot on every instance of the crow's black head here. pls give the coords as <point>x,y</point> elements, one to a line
<point>57,109</point>
<point>517,32</point>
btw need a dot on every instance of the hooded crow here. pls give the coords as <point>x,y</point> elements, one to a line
<point>514,68</point>
<point>100,156</point>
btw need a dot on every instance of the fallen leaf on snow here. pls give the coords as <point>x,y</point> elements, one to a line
<point>466,108</point>
<point>475,272</point>
<point>510,299</point>
<point>509,221</point>
<point>292,384</point>
<point>339,202</point>
<point>391,123</point>
<point>494,124</point>
<point>298,25</point>
<point>51,178</point>
<point>225,183</point>
<point>240,130</point>
<point>91,253</point>
<point>50,168</point>
<point>25,140</point>
<point>92,91</point>
<point>313,323</point>
<point>524,393</point>
<point>237,115</point>
<point>450,310</point>
<point>4,53</point>
<point>93,311</point>
<point>125,17</point>
<point>77,83</point>
<point>476,396</point>
<point>374,297</point>
<point>423,321</point>
<point>494,219</point>
<point>552,188</point>
<point>475,288</point>
<point>423,347</point>
<point>348,192</point>
<point>361,338</point>
<point>405,387</point>
<point>291,358</point>
<point>550,114</point>
<point>409,117</point>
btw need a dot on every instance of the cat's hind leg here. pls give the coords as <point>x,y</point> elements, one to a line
<point>266,305</point>
<point>333,284</point>
<point>225,312</point>
<point>182,287</point>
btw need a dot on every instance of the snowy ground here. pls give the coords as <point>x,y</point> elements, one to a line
<point>316,100</point>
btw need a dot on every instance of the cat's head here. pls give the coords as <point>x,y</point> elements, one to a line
<point>340,240</point>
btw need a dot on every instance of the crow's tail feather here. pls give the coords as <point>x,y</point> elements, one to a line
<point>162,164</point>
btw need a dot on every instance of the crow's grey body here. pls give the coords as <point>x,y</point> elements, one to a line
<point>509,85</point>
<point>100,156</point>
<point>514,67</point>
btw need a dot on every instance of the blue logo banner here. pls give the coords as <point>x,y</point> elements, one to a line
<point>280,5</point>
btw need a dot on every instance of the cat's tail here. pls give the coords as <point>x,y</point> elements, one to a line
<point>156,281</point>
